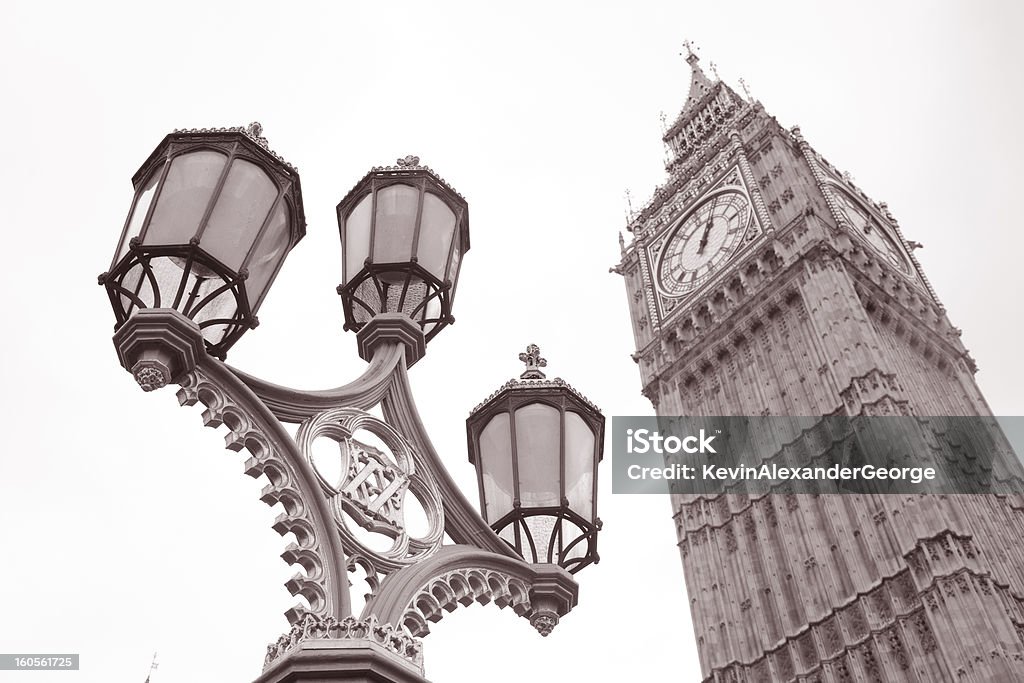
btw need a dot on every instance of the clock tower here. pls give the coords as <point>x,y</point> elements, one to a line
<point>762,281</point>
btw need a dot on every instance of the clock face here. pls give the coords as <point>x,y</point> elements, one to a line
<point>865,225</point>
<point>703,241</point>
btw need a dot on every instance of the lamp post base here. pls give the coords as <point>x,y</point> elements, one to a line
<point>335,660</point>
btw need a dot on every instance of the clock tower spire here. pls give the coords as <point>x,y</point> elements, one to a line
<point>762,281</point>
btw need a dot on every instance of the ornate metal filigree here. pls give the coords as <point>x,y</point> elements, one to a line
<point>151,374</point>
<point>464,587</point>
<point>556,382</point>
<point>533,363</point>
<point>308,550</point>
<point>253,131</point>
<point>374,487</point>
<point>311,627</point>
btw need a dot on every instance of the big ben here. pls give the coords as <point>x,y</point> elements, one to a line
<point>762,281</point>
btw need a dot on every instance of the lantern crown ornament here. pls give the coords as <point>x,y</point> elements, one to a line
<point>404,231</point>
<point>215,214</point>
<point>536,444</point>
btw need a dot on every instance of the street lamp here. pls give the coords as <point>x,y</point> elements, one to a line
<point>215,213</point>
<point>536,444</point>
<point>214,216</point>
<point>403,233</point>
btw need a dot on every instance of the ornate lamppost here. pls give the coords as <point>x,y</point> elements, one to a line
<point>214,216</point>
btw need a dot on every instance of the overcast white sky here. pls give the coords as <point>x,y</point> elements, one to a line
<point>126,528</point>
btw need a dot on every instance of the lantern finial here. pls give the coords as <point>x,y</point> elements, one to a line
<point>533,363</point>
<point>255,132</point>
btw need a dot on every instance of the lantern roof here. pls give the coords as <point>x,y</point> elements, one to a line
<point>252,137</point>
<point>521,385</point>
<point>410,167</point>
<point>533,383</point>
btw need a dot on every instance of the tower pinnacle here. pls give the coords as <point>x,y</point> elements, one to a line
<point>691,56</point>
<point>700,84</point>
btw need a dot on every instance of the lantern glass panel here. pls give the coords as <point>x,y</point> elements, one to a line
<point>453,267</point>
<point>139,213</point>
<point>431,312</point>
<point>508,534</point>
<point>242,207</point>
<point>223,306</point>
<point>496,467</point>
<point>395,223</point>
<point>541,529</point>
<point>537,453</point>
<point>357,237</point>
<point>184,197</point>
<point>570,532</point>
<point>269,253</point>
<point>136,282</point>
<point>579,466</point>
<point>436,229</point>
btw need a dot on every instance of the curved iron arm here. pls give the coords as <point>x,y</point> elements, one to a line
<point>461,574</point>
<point>160,346</point>
<point>462,522</point>
<point>332,573</point>
<point>295,405</point>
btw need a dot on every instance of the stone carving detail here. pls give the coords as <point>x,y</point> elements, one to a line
<point>898,649</point>
<point>924,633</point>
<point>808,653</point>
<point>730,540</point>
<point>856,623</point>
<point>879,577</point>
<point>311,627</point>
<point>464,587</point>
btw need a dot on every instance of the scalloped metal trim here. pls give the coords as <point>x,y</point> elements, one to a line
<point>252,131</point>
<point>517,384</point>
<point>464,587</point>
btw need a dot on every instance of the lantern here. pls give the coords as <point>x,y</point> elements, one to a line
<point>404,231</point>
<point>536,444</point>
<point>214,216</point>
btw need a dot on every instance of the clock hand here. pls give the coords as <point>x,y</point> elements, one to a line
<point>704,237</point>
<point>707,228</point>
